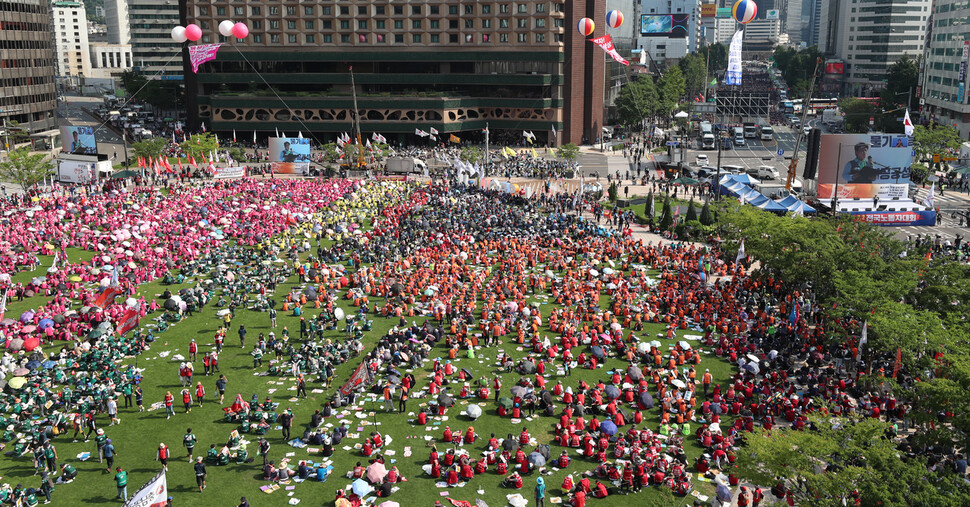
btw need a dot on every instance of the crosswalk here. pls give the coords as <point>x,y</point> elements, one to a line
<point>949,200</point>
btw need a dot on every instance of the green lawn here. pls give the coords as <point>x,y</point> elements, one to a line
<point>139,434</point>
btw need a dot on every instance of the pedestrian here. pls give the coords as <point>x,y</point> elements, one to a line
<point>200,473</point>
<point>189,441</point>
<point>206,361</point>
<point>109,455</point>
<point>100,440</point>
<point>121,480</point>
<point>301,385</point>
<point>193,350</point>
<point>140,399</point>
<point>169,404</point>
<point>243,502</point>
<point>221,386</point>
<point>272,317</point>
<point>242,335</point>
<point>403,404</point>
<point>187,400</point>
<point>263,449</point>
<point>113,411</point>
<point>199,393</point>
<point>162,455</point>
<point>46,486</point>
<point>126,392</point>
<point>540,492</point>
<point>257,354</point>
<point>50,455</point>
<point>286,422</point>
<point>388,404</point>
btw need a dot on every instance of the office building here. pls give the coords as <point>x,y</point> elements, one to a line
<point>109,61</point>
<point>625,40</point>
<point>116,19</point>
<point>873,35</point>
<point>943,91</point>
<point>69,22</point>
<point>448,65</point>
<point>150,22</point>
<point>28,93</point>
<point>669,29</point>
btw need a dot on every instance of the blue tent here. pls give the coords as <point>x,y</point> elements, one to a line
<point>739,178</point>
<point>766,204</point>
<point>733,188</point>
<point>792,203</point>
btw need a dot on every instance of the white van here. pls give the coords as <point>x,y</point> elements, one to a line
<point>767,172</point>
<point>731,169</point>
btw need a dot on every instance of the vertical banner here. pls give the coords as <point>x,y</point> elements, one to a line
<point>733,76</point>
<point>153,494</point>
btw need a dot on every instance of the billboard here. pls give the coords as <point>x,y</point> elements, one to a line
<point>229,172</point>
<point>289,149</point>
<point>71,171</point>
<point>864,166</point>
<point>772,14</point>
<point>78,140</point>
<point>290,167</point>
<point>708,10</point>
<point>724,12</point>
<point>834,67</point>
<point>656,24</point>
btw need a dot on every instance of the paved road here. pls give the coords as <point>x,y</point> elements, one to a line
<point>69,113</point>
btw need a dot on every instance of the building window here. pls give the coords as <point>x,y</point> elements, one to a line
<point>398,10</point>
<point>399,38</point>
<point>291,25</point>
<point>291,10</point>
<point>274,11</point>
<point>362,10</point>
<point>362,24</point>
<point>310,39</point>
<point>486,9</point>
<point>274,38</point>
<point>435,24</point>
<point>434,9</point>
<point>345,38</point>
<point>559,23</point>
<point>540,22</point>
<point>540,7</point>
<point>468,38</point>
<point>327,38</point>
<point>203,11</point>
<point>540,37</point>
<point>327,10</point>
<point>345,11</point>
<point>238,11</point>
<point>522,37</point>
<point>503,37</point>
<point>416,10</point>
<point>435,38</point>
<point>345,25</point>
<point>416,24</point>
<point>274,24</point>
<point>398,24</point>
<point>308,11</point>
<point>486,23</point>
<point>469,24</point>
<point>220,11</point>
<point>503,8</point>
<point>522,8</point>
<point>503,23</point>
<point>291,38</point>
<point>308,24</point>
<point>523,23</point>
<point>559,8</point>
<point>470,9</point>
<point>416,38</point>
<point>380,24</point>
<point>453,38</point>
<point>381,10</point>
<point>327,24</point>
<point>257,24</point>
<point>257,11</point>
<point>453,9</point>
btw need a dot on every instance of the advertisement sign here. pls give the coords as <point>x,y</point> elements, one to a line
<point>861,165</point>
<point>963,71</point>
<point>229,172</point>
<point>289,149</point>
<point>724,12</point>
<point>897,218</point>
<point>78,140</point>
<point>834,67</point>
<point>772,14</point>
<point>290,167</point>
<point>961,89</point>
<point>655,25</point>
<point>70,171</point>
<point>966,49</point>
<point>709,10</point>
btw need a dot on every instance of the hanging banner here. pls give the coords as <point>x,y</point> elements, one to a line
<point>153,494</point>
<point>733,75</point>
<point>606,42</point>
<point>201,54</point>
<point>228,172</point>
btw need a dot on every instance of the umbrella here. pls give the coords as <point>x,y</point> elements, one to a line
<point>598,352</point>
<point>753,368</point>
<point>594,272</point>
<point>506,402</point>
<point>7,322</point>
<point>48,364</point>
<point>517,391</point>
<point>608,427</point>
<point>751,357</point>
<point>29,329</point>
<point>528,367</point>
<point>21,371</point>
<point>634,372</point>
<point>310,292</point>
<point>45,323</point>
<point>612,392</point>
<point>678,383</point>
<point>445,400</point>
<point>17,382</point>
<point>361,488</point>
<point>536,459</point>
<point>646,401</point>
<point>684,180</point>
<point>655,343</point>
<point>473,411</point>
<point>74,278</point>
<point>26,316</point>
<point>389,504</point>
<point>32,365</point>
<point>376,472</point>
<point>643,348</point>
<point>608,271</point>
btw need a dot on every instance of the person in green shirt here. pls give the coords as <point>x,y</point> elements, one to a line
<point>189,441</point>
<point>68,473</point>
<point>30,500</point>
<point>121,480</point>
<point>101,440</point>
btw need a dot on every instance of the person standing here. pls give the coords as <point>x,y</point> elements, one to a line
<point>50,455</point>
<point>113,411</point>
<point>286,421</point>
<point>109,455</point>
<point>540,492</point>
<point>242,335</point>
<point>221,386</point>
<point>169,405</point>
<point>403,403</point>
<point>301,385</point>
<point>388,404</point>
<point>126,392</point>
<point>200,473</point>
<point>187,400</point>
<point>272,317</point>
<point>193,350</point>
<point>121,480</point>
<point>140,399</point>
<point>189,441</point>
<point>199,393</point>
<point>100,440</point>
<point>162,455</point>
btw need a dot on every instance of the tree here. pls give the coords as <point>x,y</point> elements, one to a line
<point>691,212</point>
<point>901,80</point>
<point>25,168</point>
<point>18,133</point>
<point>568,151</point>
<point>717,57</point>
<point>149,148</point>
<point>471,154</point>
<point>637,101</point>
<point>857,113</point>
<point>132,81</point>
<point>918,172</point>
<point>648,206</point>
<point>797,67</point>
<point>670,88</point>
<point>200,145</point>
<point>706,218</point>
<point>694,71</point>
<point>668,216</point>
<point>935,138</point>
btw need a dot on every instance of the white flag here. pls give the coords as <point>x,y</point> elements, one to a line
<point>929,197</point>
<point>300,136</point>
<point>233,135</point>
<point>907,124</point>
<point>733,74</point>
<point>741,253</point>
<point>3,305</point>
<point>554,134</point>
<point>254,137</point>
<point>154,492</point>
<point>864,338</point>
<point>277,132</point>
<point>433,130</point>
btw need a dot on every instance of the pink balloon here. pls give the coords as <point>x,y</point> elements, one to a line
<point>193,32</point>
<point>240,30</point>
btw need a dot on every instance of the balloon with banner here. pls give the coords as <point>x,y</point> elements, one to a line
<point>733,75</point>
<point>202,53</point>
<point>153,494</point>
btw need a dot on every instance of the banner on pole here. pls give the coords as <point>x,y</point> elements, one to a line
<point>606,42</point>
<point>153,494</point>
<point>733,75</point>
<point>358,378</point>
<point>201,54</point>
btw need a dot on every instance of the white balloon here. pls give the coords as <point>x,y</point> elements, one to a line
<point>178,35</point>
<point>225,28</point>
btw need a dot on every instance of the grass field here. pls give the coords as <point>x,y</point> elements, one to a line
<point>138,435</point>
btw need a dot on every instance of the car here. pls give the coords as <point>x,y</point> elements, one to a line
<point>767,172</point>
<point>806,129</point>
<point>702,160</point>
<point>739,141</point>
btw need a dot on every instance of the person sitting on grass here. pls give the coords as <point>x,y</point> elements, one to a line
<point>513,481</point>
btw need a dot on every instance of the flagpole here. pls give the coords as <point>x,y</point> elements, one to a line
<point>488,159</point>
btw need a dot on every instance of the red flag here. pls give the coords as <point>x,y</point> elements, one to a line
<point>192,162</point>
<point>360,374</point>
<point>3,305</point>
<point>128,321</point>
<point>929,255</point>
<point>180,164</point>
<point>108,296</point>
<point>899,361</point>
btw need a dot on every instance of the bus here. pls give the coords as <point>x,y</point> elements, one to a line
<point>787,107</point>
<point>817,105</point>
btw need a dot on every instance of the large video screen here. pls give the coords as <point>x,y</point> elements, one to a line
<point>78,140</point>
<point>864,166</point>
<point>680,25</point>
<point>670,25</point>
<point>289,149</point>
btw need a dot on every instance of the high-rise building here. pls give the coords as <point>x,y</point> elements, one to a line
<point>116,18</point>
<point>669,29</point>
<point>150,22</point>
<point>28,93</point>
<point>448,65</point>
<point>943,89</point>
<point>873,35</point>
<point>69,22</point>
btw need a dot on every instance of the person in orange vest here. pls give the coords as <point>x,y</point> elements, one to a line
<point>162,455</point>
<point>388,404</point>
<point>706,380</point>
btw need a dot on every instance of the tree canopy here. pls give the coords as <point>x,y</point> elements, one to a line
<point>25,168</point>
<point>637,101</point>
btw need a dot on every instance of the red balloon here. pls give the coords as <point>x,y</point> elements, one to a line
<point>193,32</point>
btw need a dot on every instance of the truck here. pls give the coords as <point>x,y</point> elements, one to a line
<point>767,133</point>
<point>405,165</point>
<point>831,117</point>
<point>751,130</point>
<point>707,135</point>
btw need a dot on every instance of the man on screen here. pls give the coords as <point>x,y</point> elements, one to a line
<point>77,147</point>
<point>287,155</point>
<point>860,169</point>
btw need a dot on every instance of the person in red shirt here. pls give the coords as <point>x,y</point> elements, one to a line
<point>579,499</point>
<point>599,491</point>
<point>162,456</point>
<point>524,437</point>
<point>563,460</point>
<point>199,393</point>
<point>169,401</point>
<point>187,400</point>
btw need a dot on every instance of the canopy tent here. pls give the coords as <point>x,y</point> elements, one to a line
<point>734,188</point>
<point>766,204</point>
<point>738,178</point>
<point>792,203</point>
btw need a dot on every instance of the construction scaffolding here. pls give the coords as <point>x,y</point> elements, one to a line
<point>741,106</point>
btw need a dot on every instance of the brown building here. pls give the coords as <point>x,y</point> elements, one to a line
<point>28,94</point>
<point>453,65</point>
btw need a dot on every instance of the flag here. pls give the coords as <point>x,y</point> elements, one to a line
<point>200,54</point>
<point>434,131</point>
<point>360,374</point>
<point>741,253</point>
<point>277,132</point>
<point>864,337</point>
<point>254,137</point>
<point>907,124</point>
<point>485,131</point>
<point>606,44</point>
<point>203,126</point>
<point>153,493</point>
<point>375,138</point>
<point>793,316</point>
<point>733,74</point>
<point>453,138</point>
<point>233,135</point>
<point>714,82</point>
<point>368,143</point>
<point>128,321</point>
<point>929,202</point>
<point>554,134</point>
<point>179,160</point>
<point>192,162</point>
<point>300,135</point>
<point>107,296</point>
<point>3,304</point>
<point>340,142</point>
<point>534,154</point>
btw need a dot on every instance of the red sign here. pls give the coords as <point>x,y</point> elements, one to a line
<point>358,378</point>
<point>834,68</point>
